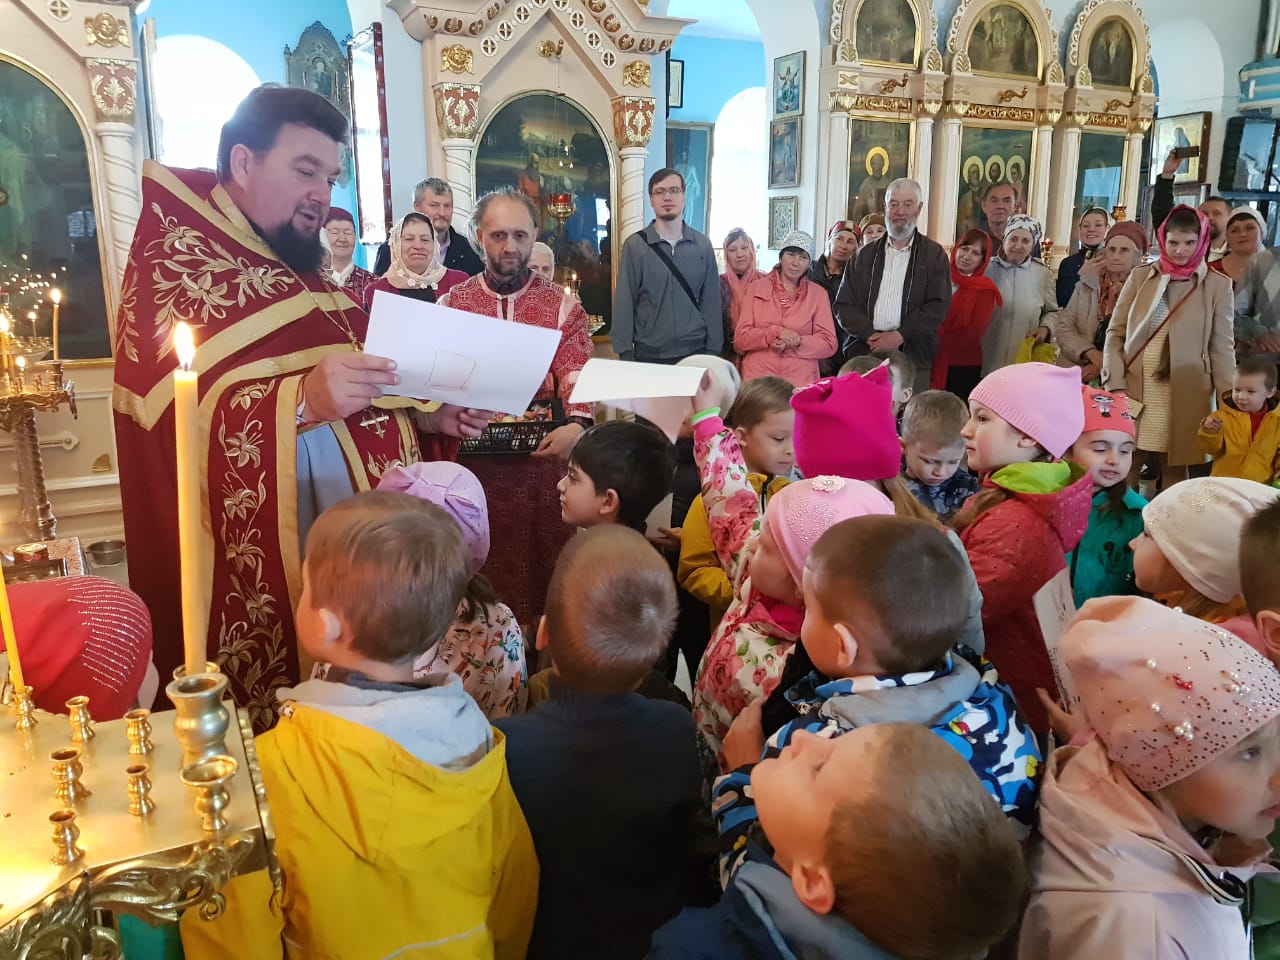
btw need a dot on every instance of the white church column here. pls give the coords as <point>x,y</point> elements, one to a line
<point>113,84</point>
<point>458,116</point>
<point>1041,164</point>
<point>632,128</point>
<point>835,205</point>
<point>1132,174</point>
<point>946,179</point>
<point>1065,164</point>
<point>924,153</point>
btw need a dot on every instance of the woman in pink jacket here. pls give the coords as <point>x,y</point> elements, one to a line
<point>1149,832</point>
<point>785,327</point>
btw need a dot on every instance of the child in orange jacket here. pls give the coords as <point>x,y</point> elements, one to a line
<point>1243,436</point>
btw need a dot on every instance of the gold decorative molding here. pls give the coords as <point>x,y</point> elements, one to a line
<point>961,63</point>
<point>551,49</point>
<point>888,86</point>
<point>1112,105</point>
<point>1009,95</point>
<point>637,73</point>
<point>457,59</point>
<point>106,31</point>
<point>633,121</point>
<point>1113,120</point>
<point>853,102</point>
<point>457,110</point>
<point>113,85</point>
<point>984,111</point>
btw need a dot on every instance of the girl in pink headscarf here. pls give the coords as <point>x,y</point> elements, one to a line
<point>1171,346</point>
<point>740,272</point>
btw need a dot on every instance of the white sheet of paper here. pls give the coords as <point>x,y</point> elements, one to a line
<point>1055,608</point>
<point>655,391</point>
<point>457,357</point>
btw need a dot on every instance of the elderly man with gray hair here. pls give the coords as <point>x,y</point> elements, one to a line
<point>895,295</point>
<point>433,198</point>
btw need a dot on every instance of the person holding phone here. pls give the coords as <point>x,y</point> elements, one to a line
<point>1215,208</point>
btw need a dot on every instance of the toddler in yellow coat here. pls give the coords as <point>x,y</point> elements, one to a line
<point>1243,436</point>
<point>397,831</point>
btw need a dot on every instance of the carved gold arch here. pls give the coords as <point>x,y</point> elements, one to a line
<point>1095,14</point>
<point>844,20</point>
<point>960,34</point>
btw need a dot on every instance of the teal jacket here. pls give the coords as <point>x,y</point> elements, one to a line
<point>1102,565</point>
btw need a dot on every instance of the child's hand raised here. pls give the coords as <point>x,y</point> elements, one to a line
<point>1211,423</point>
<point>744,743</point>
<point>707,395</point>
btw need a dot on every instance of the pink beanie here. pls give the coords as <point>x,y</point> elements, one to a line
<point>845,427</point>
<point>1166,693</point>
<point>1039,399</point>
<point>1106,411</point>
<point>454,489</point>
<point>803,511</point>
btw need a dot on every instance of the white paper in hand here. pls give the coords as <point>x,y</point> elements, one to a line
<point>1055,608</point>
<point>655,391</point>
<point>457,357</point>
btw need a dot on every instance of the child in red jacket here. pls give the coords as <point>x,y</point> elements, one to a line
<point>1033,510</point>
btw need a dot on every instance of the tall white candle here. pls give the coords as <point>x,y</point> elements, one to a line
<point>186,422</point>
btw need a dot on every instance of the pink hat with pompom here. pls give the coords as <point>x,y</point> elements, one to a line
<point>803,511</point>
<point>1166,693</point>
<point>454,489</point>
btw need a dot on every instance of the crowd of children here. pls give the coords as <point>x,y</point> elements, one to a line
<point>865,766</point>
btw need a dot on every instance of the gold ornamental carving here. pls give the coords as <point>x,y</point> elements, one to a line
<point>933,60</point>
<point>1116,121</point>
<point>985,111</point>
<point>637,73</point>
<point>1055,74</point>
<point>847,81</point>
<point>106,31</point>
<point>113,84</point>
<point>962,64</point>
<point>888,86</point>
<point>457,110</point>
<point>457,59</point>
<point>551,49</point>
<point>1008,96</point>
<point>859,102</point>
<point>633,121</point>
<point>1112,105</point>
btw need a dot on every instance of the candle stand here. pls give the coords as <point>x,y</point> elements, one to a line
<point>151,838</point>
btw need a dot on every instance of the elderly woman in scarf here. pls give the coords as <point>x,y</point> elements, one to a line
<point>1246,233</point>
<point>1170,345</point>
<point>416,271</point>
<point>740,272</point>
<point>1029,305</point>
<point>1082,325</point>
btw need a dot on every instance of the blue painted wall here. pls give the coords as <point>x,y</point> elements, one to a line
<point>714,72</point>
<point>258,32</point>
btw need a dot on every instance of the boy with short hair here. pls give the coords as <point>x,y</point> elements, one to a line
<point>933,452</point>
<point>609,781</point>
<point>1243,437</point>
<point>885,598</point>
<point>902,373</point>
<point>617,473</point>
<point>884,845</point>
<point>396,825</point>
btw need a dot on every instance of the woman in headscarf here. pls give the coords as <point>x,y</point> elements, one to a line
<point>416,271</point>
<point>957,366</point>
<point>1245,233</point>
<point>740,271</point>
<point>1170,345</point>
<point>340,234</point>
<point>1030,305</point>
<point>1092,229</point>
<point>1082,325</point>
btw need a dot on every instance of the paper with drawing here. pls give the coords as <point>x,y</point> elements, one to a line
<point>457,357</point>
<point>657,392</point>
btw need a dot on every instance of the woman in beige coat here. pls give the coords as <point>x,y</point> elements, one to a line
<point>1171,347</point>
<point>1082,325</point>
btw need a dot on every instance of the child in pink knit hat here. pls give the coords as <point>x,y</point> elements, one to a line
<point>1032,511</point>
<point>764,555</point>
<point>1149,832</point>
<point>485,646</point>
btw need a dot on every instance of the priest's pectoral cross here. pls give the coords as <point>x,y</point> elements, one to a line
<point>376,420</point>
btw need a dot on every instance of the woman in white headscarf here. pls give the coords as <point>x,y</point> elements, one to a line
<point>416,270</point>
<point>1246,235</point>
<point>1029,305</point>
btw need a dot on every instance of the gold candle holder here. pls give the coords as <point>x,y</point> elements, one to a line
<point>202,721</point>
<point>1119,212</point>
<point>138,730</point>
<point>24,707</point>
<point>65,835</point>
<point>81,722</point>
<point>209,777</point>
<point>180,670</point>
<point>139,789</point>
<point>67,770</point>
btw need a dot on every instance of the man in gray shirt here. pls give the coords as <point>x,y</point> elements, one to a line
<point>666,305</point>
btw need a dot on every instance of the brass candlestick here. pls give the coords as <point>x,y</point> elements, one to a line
<point>1046,250</point>
<point>66,772</point>
<point>65,835</point>
<point>209,777</point>
<point>202,720</point>
<point>24,707</point>
<point>81,722</point>
<point>138,731</point>
<point>139,789</point>
<point>25,392</point>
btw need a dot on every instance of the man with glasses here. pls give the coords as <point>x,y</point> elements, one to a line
<point>666,305</point>
<point>895,295</point>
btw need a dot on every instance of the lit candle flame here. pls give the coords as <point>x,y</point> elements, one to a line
<point>184,344</point>
<point>55,295</point>
<point>22,364</point>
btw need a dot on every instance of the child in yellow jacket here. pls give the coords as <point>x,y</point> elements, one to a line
<point>762,419</point>
<point>397,830</point>
<point>1243,437</point>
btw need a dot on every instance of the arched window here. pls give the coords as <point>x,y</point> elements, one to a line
<point>739,187</point>
<point>198,83</point>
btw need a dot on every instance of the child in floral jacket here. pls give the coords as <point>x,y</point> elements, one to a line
<point>763,554</point>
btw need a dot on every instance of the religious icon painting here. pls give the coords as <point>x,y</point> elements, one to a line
<point>994,159</point>
<point>1003,43</point>
<point>1111,55</point>
<point>784,153</point>
<point>788,85</point>
<point>886,33</point>
<point>782,219</point>
<point>879,153</point>
<point>1100,172</point>
<point>320,65</point>
<point>1187,133</point>
<point>689,154</point>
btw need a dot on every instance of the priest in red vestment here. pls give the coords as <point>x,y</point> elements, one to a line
<point>285,391</point>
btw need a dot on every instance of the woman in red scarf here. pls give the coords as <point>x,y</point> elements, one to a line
<point>740,272</point>
<point>957,366</point>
